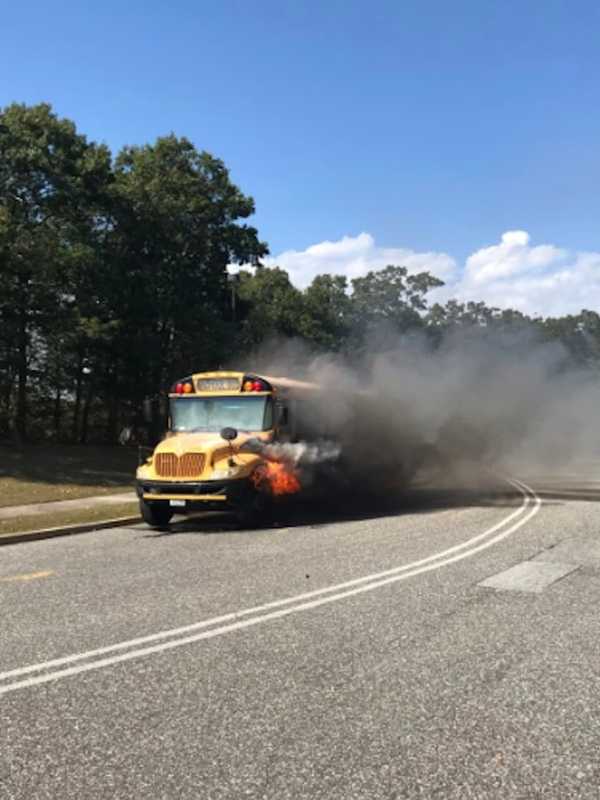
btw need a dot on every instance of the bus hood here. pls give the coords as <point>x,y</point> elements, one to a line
<point>203,442</point>
<point>201,456</point>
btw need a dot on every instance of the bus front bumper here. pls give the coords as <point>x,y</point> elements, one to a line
<point>184,495</point>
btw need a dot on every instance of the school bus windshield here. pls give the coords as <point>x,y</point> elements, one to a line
<point>212,414</point>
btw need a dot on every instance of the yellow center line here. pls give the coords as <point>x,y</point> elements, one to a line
<point>28,576</point>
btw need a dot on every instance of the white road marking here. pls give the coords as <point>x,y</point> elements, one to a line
<point>172,632</point>
<point>27,576</point>
<point>529,576</point>
<point>574,492</point>
<point>296,604</point>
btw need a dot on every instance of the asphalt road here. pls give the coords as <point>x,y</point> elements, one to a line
<point>346,652</point>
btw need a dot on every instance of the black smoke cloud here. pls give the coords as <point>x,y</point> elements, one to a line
<point>500,400</point>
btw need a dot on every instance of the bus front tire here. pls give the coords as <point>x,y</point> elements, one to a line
<point>157,515</point>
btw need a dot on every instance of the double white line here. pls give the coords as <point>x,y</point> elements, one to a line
<point>75,664</point>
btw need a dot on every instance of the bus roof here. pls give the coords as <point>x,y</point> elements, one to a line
<point>233,381</point>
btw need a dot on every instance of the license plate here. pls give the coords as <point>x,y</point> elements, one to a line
<point>177,503</point>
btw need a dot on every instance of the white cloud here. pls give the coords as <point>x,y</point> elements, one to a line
<point>354,256</point>
<point>559,285</point>
<point>540,279</point>
<point>513,256</point>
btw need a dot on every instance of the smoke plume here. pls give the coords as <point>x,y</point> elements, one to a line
<point>501,400</point>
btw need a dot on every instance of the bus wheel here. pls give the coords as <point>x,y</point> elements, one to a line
<point>158,515</point>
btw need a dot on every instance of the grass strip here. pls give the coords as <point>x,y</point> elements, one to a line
<point>43,473</point>
<point>75,517</point>
<point>15,493</point>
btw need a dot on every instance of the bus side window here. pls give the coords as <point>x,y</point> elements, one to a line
<point>282,422</point>
<point>282,416</point>
<point>286,420</point>
<point>269,414</point>
<point>285,417</point>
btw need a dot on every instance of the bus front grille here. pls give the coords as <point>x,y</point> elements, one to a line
<point>189,465</point>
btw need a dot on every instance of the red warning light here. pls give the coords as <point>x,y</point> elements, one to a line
<point>253,384</point>
<point>184,386</point>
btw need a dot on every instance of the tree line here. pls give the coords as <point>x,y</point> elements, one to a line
<point>114,282</point>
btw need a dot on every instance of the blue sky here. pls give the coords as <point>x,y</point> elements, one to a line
<point>430,126</point>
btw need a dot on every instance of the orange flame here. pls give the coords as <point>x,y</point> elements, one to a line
<point>280,478</point>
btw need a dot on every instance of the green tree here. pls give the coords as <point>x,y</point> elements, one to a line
<point>473,319</point>
<point>176,228</point>
<point>390,299</point>
<point>327,314</point>
<point>579,333</point>
<point>51,179</point>
<point>268,305</point>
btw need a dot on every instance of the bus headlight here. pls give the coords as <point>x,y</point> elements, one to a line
<point>227,472</point>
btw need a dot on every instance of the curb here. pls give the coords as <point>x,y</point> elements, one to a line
<point>66,530</point>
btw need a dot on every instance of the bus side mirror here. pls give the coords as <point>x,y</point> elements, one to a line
<point>282,416</point>
<point>229,434</point>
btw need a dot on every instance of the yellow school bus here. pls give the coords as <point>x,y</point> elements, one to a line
<point>215,454</point>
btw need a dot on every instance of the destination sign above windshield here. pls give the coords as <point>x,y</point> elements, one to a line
<point>217,384</point>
